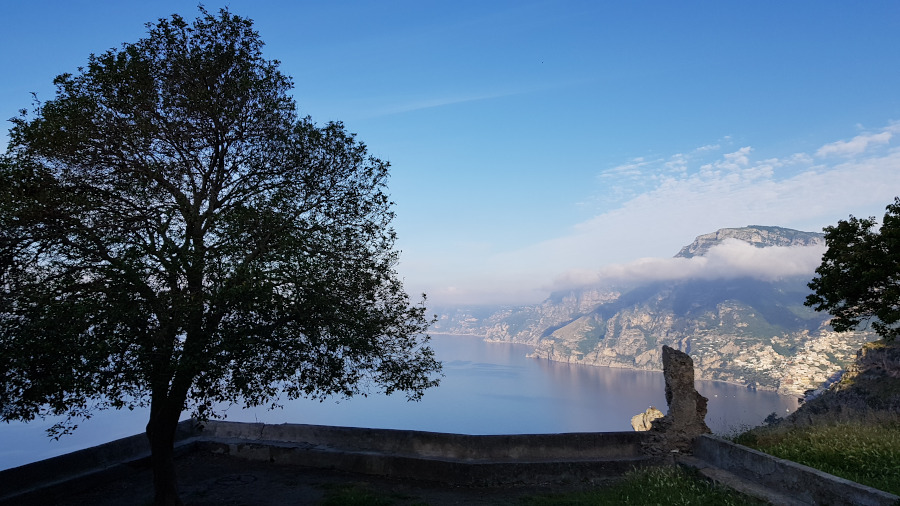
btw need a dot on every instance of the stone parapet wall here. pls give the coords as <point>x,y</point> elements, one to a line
<point>479,460</point>
<point>83,469</point>
<point>532,447</point>
<point>451,458</point>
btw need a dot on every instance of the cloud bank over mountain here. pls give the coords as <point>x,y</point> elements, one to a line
<point>730,259</point>
<point>652,206</point>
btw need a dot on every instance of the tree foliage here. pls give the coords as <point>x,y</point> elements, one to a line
<point>859,279</point>
<point>172,234</point>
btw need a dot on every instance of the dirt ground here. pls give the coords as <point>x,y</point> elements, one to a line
<point>207,479</point>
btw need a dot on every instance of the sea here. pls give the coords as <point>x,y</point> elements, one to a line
<point>487,388</point>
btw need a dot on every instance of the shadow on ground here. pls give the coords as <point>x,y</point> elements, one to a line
<point>210,479</point>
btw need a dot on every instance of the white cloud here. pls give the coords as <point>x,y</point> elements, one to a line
<point>739,158</point>
<point>730,259</point>
<point>856,145</point>
<point>405,104</point>
<point>683,196</point>
<point>631,168</point>
<point>429,103</point>
<point>708,147</point>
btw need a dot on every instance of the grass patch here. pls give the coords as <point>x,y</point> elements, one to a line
<point>865,451</point>
<point>669,485</point>
<point>357,494</point>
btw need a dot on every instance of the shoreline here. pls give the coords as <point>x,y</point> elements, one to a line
<point>612,366</point>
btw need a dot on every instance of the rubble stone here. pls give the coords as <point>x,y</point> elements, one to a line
<point>643,421</point>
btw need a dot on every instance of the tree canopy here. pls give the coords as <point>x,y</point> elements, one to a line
<point>173,234</point>
<point>859,279</point>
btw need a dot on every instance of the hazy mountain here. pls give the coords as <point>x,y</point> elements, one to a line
<point>737,310</point>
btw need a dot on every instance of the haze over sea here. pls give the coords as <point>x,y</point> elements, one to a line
<point>488,388</point>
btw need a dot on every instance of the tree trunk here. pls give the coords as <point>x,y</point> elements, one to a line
<point>161,433</point>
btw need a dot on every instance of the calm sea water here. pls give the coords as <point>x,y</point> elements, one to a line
<point>488,388</point>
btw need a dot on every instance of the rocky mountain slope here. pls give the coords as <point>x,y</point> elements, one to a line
<point>744,330</point>
<point>870,383</point>
<point>756,235</point>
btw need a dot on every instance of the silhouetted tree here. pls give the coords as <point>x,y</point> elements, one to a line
<point>859,279</point>
<point>172,234</point>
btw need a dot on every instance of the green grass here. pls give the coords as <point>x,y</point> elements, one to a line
<point>866,451</point>
<point>662,485</point>
<point>670,485</point>
<point>356,494</point>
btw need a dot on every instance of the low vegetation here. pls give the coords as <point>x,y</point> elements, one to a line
<point>658,485</point>
<point>356,494</point>
<point>661,485</point>
<point>864,449</point>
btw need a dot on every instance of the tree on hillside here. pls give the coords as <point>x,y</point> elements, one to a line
<point>173,235</point>
<point>859,278</point>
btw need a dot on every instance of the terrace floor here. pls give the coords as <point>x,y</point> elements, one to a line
<point>211,479</point>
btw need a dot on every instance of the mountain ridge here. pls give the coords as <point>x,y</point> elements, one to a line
<point>757,235</point>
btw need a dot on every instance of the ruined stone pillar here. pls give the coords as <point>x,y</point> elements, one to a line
<point>686,417</point>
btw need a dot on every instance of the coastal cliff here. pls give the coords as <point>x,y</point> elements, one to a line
<point>754,332</point>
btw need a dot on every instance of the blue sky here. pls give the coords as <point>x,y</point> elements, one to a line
<point>533,142</point>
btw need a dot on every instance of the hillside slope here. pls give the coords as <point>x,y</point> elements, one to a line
<point>870,383</point>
